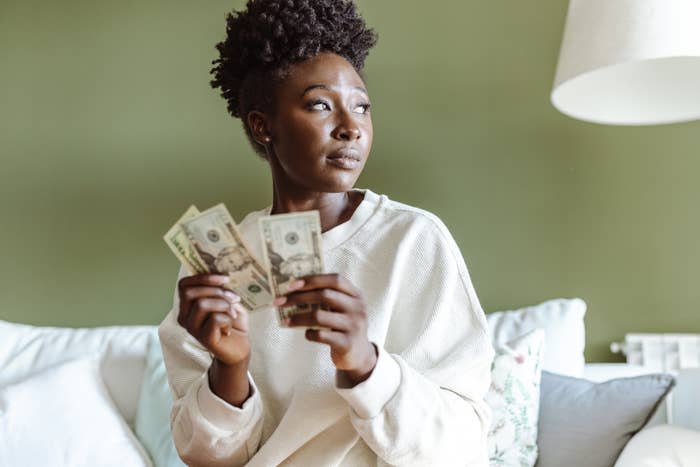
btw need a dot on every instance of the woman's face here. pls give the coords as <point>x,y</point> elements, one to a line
<point>321,129</point>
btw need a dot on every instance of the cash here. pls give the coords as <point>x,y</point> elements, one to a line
<point>214,236</point>
<point>209,242</point>
<point>177,240</point>
<point>291,249</point>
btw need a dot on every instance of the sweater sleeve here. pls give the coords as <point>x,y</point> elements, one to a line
<point>424,403</point>
<point>207,431</point>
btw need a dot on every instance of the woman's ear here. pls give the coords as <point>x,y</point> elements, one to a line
<point>257,122</point>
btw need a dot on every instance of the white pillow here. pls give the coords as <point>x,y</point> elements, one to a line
<point>564,332</point>
<point>26,349</point>
<point>514,398</point>
<point>63,416</point>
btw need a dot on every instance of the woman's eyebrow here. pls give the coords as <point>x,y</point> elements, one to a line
<point>323,86</point>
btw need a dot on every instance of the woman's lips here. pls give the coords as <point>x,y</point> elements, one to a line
<point>344,162</point>
<point>344,159</point>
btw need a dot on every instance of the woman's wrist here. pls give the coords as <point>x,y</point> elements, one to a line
<point>359,375</point>
<point>230,382</point>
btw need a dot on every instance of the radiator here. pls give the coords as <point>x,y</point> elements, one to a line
<point>661,352</point>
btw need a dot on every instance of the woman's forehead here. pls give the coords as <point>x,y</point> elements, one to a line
<point>324,71</point>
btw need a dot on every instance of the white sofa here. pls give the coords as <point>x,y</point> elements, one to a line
<point>25,350</point>
<point>121,349</point>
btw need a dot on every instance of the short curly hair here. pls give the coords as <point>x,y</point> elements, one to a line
<point>267,37</point>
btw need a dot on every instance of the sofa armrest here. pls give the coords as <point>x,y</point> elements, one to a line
<point>685,408</point>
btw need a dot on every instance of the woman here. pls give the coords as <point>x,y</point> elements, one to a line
<point>399,375</point>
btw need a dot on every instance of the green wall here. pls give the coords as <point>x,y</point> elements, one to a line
<point>109,130</point>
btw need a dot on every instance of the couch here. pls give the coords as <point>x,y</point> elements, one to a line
<point>120,356</point>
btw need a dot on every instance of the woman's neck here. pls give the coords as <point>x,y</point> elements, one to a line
<point>334,208</point>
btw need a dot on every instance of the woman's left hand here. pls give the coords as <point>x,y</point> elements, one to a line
<point>344,315</point>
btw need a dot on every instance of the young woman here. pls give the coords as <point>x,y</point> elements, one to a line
<point>399,375</point>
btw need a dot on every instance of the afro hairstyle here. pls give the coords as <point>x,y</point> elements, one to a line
<point>269,36</point>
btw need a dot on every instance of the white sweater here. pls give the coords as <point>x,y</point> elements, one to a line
<point>423,403</point>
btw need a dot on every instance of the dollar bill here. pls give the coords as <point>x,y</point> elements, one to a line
<point>216,239</point>
<point>291,249</point>
<point>177,240</point>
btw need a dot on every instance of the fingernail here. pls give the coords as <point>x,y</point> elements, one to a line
<point>224,279</point>
<point>286,322</point>
<point>232,296</point>
<point>298,284</point>
<point>234,313</point>
<point>279,301</point>
<point>239,308</point>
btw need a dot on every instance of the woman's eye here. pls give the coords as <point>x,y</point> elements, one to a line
<point>319,105</point>
<point>362,108</point>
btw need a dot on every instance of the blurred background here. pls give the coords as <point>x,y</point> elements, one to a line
<point>109,130</point>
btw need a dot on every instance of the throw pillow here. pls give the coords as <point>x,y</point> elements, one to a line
<point>587,424</point>
<point>54,416</point>
<point>152,422</point>
<point>26,349</point>
<point>564,332</point>
<point>514,398</point>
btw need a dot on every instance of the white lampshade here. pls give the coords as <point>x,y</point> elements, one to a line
<point>630,62</point>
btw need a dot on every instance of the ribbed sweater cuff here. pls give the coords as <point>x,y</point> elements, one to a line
<point>369,397</point>
<point>223,415</point>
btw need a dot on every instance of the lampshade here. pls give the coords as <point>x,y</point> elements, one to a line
<point>630,62</point>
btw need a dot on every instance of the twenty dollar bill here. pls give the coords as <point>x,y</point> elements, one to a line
<point>177,240</point>
<point>216,239</point>
<point>291,249</point>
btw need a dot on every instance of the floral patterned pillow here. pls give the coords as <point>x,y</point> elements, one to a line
<point>514,398</point>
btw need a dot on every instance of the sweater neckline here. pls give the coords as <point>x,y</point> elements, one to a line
<point>342,232</point>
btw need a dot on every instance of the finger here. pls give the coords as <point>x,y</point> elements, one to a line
<point>337,340</point>
<point>192,293</point>
<point>240,316</point>
<point>329,299</point>
<point>329,281</point>
<point>214,280</point>
<point>218,324</point>
<point>201,309</point>
<point>327,319</point>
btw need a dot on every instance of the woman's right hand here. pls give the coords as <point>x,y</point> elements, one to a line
<point>214,316</point>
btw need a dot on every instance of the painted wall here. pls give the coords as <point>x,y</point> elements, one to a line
<point>109,130</point>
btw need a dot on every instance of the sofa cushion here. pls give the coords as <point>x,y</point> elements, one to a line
<point>152,424</point>
<point>26,349</point>
<point>514,397</point>
<point>52,417</point>
<point>663,445</point>
<point>587,424</point>
<point>564,331</point>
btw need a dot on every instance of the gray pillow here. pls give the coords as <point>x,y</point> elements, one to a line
<point>587,424</point>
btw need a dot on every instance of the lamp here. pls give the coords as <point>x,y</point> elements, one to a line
<point>630,62</point>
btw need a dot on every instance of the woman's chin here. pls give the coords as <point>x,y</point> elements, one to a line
<point>338,182</point>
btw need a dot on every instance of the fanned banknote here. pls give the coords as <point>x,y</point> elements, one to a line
<point>216,239</point>
<point>291,249</point>
<point>177,240</point>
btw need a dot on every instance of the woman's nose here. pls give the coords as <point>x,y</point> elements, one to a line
<point>349,134</point>
<point>347,130</point>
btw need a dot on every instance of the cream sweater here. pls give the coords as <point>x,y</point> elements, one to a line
<point>423,403</point>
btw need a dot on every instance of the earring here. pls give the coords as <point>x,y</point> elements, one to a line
<point>267,140</point>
